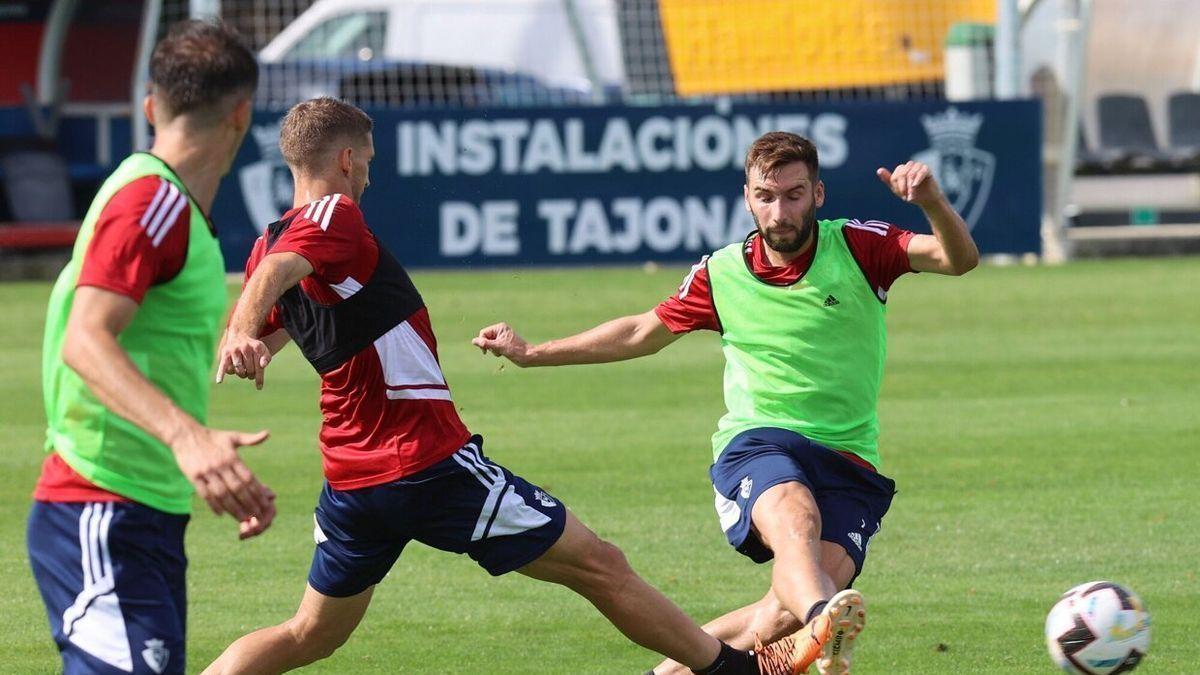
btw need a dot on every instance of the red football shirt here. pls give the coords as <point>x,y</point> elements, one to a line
<point>880,249</point>
<point>387,410</point>
<point>139,240</point>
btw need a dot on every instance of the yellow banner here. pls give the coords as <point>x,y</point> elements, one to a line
<point>732,46</point>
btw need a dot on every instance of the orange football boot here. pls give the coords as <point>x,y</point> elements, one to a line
<point>827,640</point>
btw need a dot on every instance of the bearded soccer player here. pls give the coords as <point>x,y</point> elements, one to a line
<point>131,331</point>
<point>399,463</point>
<point>800,307</point>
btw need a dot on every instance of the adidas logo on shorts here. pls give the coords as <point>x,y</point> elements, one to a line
<point>857,539</point>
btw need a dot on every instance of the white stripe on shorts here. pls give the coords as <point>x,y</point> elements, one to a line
<point>94,622</point>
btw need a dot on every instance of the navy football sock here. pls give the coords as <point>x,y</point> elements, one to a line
<point>731,662</point>
<point>814,611</point>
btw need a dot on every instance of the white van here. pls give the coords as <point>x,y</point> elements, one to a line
<point>523,37</point>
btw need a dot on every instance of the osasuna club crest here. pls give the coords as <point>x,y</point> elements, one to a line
<point>266,184</point>
<point>964,171</point>
<point>156,655</point>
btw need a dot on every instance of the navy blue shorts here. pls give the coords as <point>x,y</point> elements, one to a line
<point>852,499</point>
<point>463,504</point>
<point>112,577</point>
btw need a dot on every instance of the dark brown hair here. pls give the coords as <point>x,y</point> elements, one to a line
<point>199,65</point>
<point>776,149</point>
<point>311,128</point>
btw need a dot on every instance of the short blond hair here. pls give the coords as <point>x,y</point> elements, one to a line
<point>312,128</point>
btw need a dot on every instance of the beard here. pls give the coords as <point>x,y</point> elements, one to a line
<point>787,237</point>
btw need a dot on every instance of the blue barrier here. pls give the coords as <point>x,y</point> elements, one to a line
<point>624,184</point>
<point>588,185</point>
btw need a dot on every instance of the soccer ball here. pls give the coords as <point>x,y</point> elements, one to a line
<point>1098,628</point>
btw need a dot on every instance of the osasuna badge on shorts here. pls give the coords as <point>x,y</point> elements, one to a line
<point>545,499</point>
<point>745,487</point>
<point>156,655</point>
<point>964,171</point>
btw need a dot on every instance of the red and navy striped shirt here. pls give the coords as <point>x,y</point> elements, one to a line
<point>387,410</point>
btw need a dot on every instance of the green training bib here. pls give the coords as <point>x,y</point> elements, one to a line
<point>807,357</point>
<point>171,340</point>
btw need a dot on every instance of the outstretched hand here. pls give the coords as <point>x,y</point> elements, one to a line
<point>501,340</point>
<point>913,182</point>
<point>243,356</point>
<point>209,459</point>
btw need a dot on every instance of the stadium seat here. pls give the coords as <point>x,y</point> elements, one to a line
<point>1089,162</point>
<point>37,184</point>
<point>37,188</point>
<point>1183,113</point>
<point>1125,130</point>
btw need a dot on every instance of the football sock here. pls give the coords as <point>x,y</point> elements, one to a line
<point>731,662</point>
<point>814,611</point>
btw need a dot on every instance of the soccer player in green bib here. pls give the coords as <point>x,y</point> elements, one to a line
<point>800,306</point>
<point>131,334</point>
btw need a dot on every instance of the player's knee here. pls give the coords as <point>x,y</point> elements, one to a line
<point>787,510</point>
<point>606,570</point>
<point>806,525</point>
<point>316,639</point>
<point>616,565</point>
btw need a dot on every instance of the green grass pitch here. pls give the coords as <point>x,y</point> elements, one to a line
<point>1042,424</point>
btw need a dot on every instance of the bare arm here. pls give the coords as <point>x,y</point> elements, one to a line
<point>625,338</point>
<point>277,341</point>
<point>950,249</point>
<point>242,353</point>
<point>208,457</point>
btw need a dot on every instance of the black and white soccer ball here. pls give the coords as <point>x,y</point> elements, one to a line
<point>1098,628</point>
